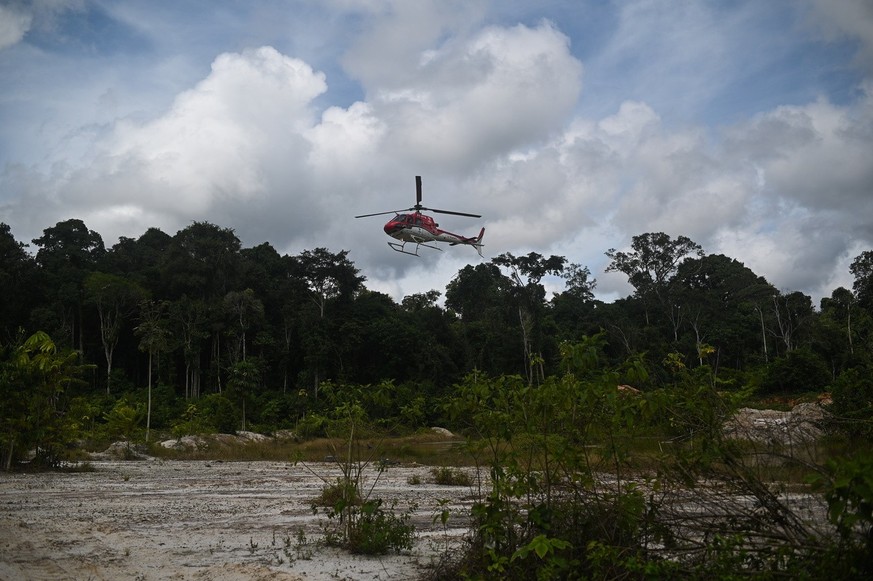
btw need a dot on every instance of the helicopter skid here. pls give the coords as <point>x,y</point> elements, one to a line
<point>401,247</point>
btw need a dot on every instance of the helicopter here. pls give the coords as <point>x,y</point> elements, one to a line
<point>422,230</point>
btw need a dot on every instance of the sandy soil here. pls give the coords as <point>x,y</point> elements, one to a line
<point>223,521</point>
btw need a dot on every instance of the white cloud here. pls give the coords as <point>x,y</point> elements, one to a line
<point>817,154</point>
<point>346,141</point>
<point>234,139</point>
<point>505,88</point>
<point>396,35</point>
<point>492,114</point>
<point>838,19</point>
<point>14,24</point>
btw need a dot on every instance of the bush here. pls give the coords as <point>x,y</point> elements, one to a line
<point>551,514</point>
<point>218,412</point>
<point>852,407</point>
<point>448,476</point>
<point>376,531</point>
<point>357,522</point>
<point>799,371</point>
<point>313,425</point>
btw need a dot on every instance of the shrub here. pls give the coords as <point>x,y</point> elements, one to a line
<point>799,371</point>
<point>852,407</point>
<point>218,412</point>
<point>357,522</point>
<point>376,531</point>
<point>448,476</point>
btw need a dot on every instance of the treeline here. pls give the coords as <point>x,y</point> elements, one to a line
<point>209,325</point>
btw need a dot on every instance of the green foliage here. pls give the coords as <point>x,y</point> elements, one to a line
<point>550,513</point>
<point>852,408</point>
<point>448,476</point>
<point>312,425</point>
<point>307,320</point>
<point>377,531</point>
<point>849,494</point>
<point>798,372</point>
<point>218,412</point>
<point>339,494</point>
<point>356,521</point>
<point>192,421</point>
<point>847,486</point>
<point>542,446</point>
<point>862,269</point>
<point>34,377</point>
<point>125,421</point>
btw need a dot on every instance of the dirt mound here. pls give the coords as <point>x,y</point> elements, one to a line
<point>122,450</point>
<point>802,424</point>
<point>198,442</point>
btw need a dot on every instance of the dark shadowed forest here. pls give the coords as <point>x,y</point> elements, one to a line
<point>213,328</point>
<point>171,335</point>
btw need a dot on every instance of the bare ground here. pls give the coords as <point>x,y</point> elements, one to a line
<point>206,520</point>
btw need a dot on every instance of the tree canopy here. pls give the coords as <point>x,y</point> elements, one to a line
<point>198,318</point>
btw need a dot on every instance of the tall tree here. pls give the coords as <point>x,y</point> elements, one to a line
<point>717,295</point>
<point>862,269</point>
<point>189,318</point>
<point>573,309</point>
<point>651,263</point>
<point>18,281</point>
<point>202,261</point>
<point>579,282</point>
<point>115,298</point>
<point>244,310</point>
<point>139,260</point>
<point>837,327</point>
<point>67,252</point>
<point>526,274</point>
<point>293,293</point>
<point>154,338</point>
<point>329,276</point>
<point>793,312</point>
<point>481,296</point>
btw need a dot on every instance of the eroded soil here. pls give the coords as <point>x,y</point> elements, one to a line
<point>224,521</point>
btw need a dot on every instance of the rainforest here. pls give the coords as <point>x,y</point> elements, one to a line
<point>165,336</point>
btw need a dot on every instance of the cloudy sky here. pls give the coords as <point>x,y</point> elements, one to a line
<point>570,125</point>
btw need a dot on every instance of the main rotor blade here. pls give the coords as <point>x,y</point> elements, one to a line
<point>417,190</point>
<point>381,213</point>
<point>453,213</point>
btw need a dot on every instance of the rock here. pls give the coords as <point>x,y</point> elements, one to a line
<point>252,436</point>
<point>285,435</point>
<point>122,450</point>
<point>184,443</point>
<point>198,441</point>
<point>801,424</point>
<point>442,432</point>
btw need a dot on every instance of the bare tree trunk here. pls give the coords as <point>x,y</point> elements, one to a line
<point>149,412</point>
<point>7,465</point>
<point>524,320</point>
<point>676,315</point>
<point>763,333</point>
<point>785,329</point>
<point>849,328</point>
